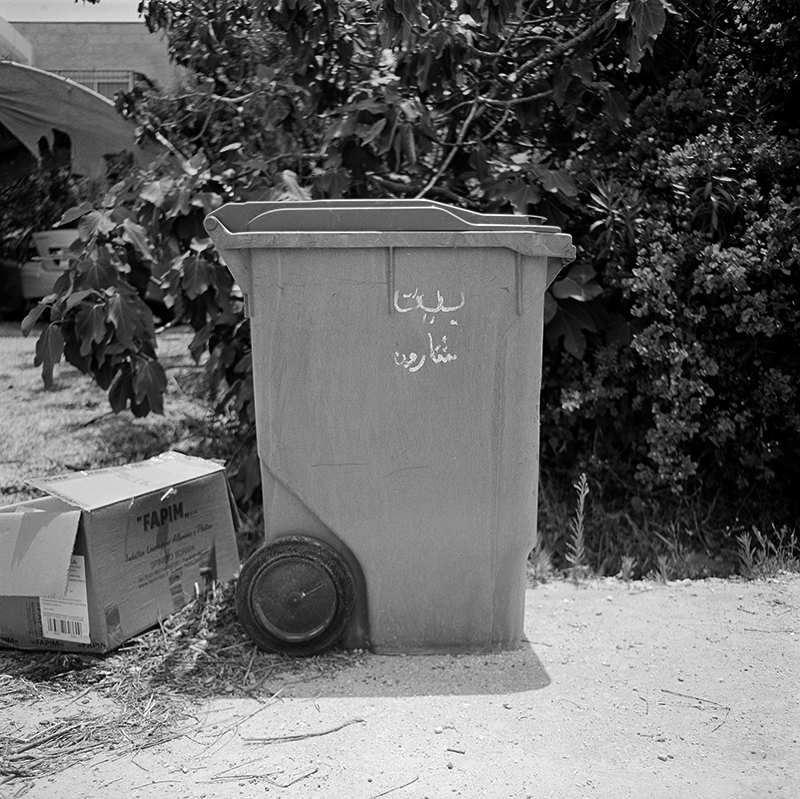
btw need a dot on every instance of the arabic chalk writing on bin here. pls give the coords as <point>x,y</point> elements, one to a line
<point>437,352</point>
<point>408,361</point>
<point>419,303</point>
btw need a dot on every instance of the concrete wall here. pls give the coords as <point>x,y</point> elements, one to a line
<point>70,46</point>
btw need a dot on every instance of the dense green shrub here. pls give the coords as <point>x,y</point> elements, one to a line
<point>717,288</point>
<point>695,238</point>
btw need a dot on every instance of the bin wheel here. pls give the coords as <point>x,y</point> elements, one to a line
<point>295,596</point>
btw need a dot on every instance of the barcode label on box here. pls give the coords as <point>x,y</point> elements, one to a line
<point>66,618</point>
<point>63,626</point>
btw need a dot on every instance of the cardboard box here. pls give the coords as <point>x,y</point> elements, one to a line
<point>111,552</point>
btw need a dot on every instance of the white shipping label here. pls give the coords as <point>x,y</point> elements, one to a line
<point>66,618</point>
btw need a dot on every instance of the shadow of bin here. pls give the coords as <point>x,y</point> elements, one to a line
<point>397,368</point>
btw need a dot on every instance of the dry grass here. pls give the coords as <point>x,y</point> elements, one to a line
<point>71,427</point>
<point>152,689</point>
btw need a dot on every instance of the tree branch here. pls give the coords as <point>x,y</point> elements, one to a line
<point>481,103</point>
<point>516,101</point>
<point>566,46</point>
<point>453,150</point>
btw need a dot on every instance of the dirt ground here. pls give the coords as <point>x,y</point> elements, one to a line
<point>620,690</point>
<point>637,690</point>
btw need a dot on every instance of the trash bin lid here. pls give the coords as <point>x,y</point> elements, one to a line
<point>335,224</point>
<point>366,215</point>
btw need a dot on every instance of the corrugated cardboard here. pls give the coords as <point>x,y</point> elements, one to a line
<point>111,552</point>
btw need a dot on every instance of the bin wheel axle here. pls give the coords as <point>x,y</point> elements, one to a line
<point>295,596</point>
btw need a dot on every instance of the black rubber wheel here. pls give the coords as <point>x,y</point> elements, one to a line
<point>295,596</point>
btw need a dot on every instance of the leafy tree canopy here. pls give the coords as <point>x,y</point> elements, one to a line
<point>479,102</point>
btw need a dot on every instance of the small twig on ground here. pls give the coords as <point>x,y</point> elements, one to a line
<point>302,737</point>
<point>707,701</point>
<point>268,777</point>
<point>253,688</point>
<point>226,775</point>
<point>81,694</point>
<point>249,666</point>
<point>45,738</point>
<point>396,788</point>
<point>727,713</point>
<point>235,726</point>
<point>696,698</point>
<point>148,784</point>
<point>299,777</point>
<point>756,630</point>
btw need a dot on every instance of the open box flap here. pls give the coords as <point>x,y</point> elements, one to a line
<point>35,551</point>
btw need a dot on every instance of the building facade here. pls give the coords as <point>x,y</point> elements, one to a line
<point>105,56</point>
<point>13,45</point>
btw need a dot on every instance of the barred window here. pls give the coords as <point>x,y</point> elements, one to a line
<point>104,81</point>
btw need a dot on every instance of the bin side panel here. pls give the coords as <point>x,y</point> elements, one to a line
<point>518,441</point>
<point>396,400</point>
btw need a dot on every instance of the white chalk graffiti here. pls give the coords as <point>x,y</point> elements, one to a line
<point>409,361</point>
<point>438,353</point>
<point>418,305</point>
